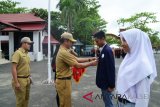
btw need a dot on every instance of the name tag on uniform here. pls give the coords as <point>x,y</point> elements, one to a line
<point>102,56</point>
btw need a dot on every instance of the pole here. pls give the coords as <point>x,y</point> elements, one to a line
<point>0,50</point>
<point>49,43</point>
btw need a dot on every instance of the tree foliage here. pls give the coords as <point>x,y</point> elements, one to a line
<point>84,18</point>
<point>8,6</point>
<point>112,40</point>
<point>69,9</point>
<point>141,21</point>
<point>56,23</point>
<point>155,40</point>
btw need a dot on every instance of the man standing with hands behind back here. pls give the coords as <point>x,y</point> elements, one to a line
<point>21,73</point>
<point>105,77</point>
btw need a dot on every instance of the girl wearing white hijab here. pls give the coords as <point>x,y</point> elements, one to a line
<point>137,71</point>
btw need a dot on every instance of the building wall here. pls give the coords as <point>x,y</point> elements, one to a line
<point>38,54</point>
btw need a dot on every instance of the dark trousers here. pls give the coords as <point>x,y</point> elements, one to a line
<point>57,99</point>
<point>107,98</point>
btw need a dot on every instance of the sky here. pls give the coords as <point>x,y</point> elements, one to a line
<point>110,10</point>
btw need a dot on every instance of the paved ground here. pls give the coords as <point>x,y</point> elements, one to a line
<point>44,95</point>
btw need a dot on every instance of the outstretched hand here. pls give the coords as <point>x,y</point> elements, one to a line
<point>94,63</point>
<point>93,58</point>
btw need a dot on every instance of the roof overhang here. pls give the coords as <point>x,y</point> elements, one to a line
<point>27,27</point>
<point>6,24</point>
<point>53,40</point>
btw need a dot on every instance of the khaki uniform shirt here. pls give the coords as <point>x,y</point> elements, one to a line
<point>64,61</point>
<point>21,58</point>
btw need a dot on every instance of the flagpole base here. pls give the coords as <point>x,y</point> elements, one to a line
<point>48,82</point>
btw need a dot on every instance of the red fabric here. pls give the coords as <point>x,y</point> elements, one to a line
<point>78,73</point>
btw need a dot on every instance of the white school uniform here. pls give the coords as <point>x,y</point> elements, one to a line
<point>137,65</point>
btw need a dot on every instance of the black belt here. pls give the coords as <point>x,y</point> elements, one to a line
<point>23,76</point>
<point>124,101</point>
<point>65,78</point>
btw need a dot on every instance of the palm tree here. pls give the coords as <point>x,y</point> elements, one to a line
<point>69,9</point>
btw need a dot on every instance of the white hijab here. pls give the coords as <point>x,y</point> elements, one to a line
<point>138,63</point>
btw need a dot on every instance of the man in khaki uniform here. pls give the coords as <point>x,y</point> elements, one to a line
<point>64,61</point>
<point>21,73</point>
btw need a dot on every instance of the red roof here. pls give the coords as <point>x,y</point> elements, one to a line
<point>9,24</point>
<point>53,40</point>
<point>19,18</point>
<point>24,22</point>
<point>27,27</point>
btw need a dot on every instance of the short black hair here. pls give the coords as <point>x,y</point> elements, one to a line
<point>99,35</point>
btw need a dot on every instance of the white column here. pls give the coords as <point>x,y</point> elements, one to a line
<point>54,48</point>
<point>49,44</point>
<point>11,44</point>
<point>35,45</point>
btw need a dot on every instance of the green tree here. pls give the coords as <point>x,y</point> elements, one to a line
<point>141,21</point>
<point>56,24</point>
<point>88,21</point>
<point>112,40</point>
<point>8,6</point>
<point>155,40</point>
<point>69,9</point>
<point>81,18</point>
<point>42,13</point>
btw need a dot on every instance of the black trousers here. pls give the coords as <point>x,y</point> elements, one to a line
<point>57,97</point>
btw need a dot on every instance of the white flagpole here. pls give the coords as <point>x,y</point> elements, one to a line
<point>49,43</point>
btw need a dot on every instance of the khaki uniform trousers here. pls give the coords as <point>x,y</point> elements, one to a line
<point>64,89</point>
<point>22,95</point>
